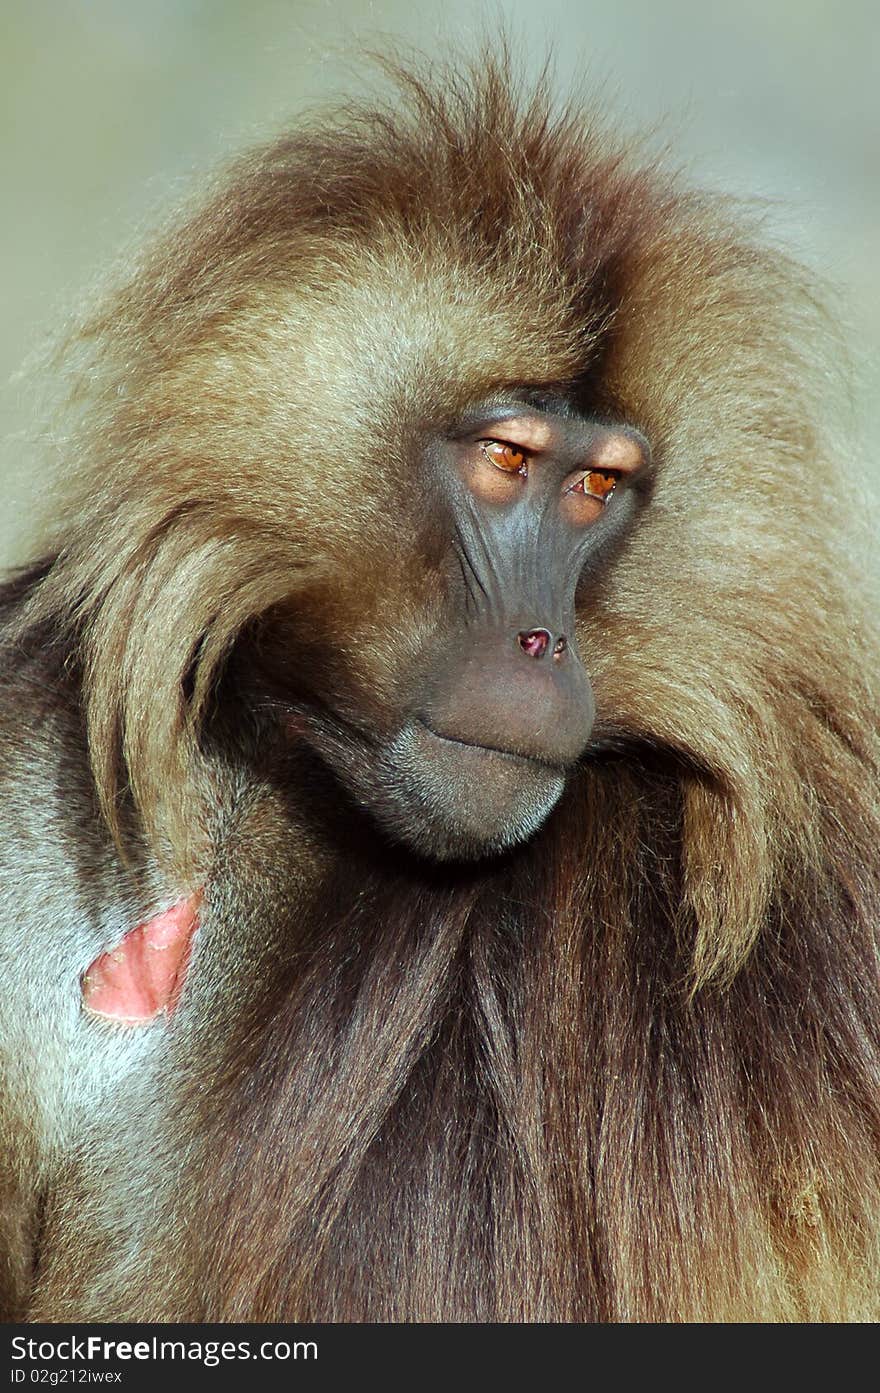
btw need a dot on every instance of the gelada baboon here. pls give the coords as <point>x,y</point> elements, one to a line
<point>440,764</point>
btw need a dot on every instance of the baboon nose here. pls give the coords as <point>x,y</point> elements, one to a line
<point>536,642</point>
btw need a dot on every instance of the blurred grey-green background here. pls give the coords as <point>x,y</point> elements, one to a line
<point>111,107</point>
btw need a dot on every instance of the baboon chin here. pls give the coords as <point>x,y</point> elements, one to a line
<point>439,851</point>
<point>449,799</point>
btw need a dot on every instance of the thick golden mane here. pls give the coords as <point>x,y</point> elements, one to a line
<point>468,239</point>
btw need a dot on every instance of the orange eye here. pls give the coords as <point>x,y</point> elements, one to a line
<point>598,483</point>
<point>509,458</point>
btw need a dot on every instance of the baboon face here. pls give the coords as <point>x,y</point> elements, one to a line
<point>452,699</point>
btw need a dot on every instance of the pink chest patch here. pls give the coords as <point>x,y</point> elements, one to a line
<point>145,972</point>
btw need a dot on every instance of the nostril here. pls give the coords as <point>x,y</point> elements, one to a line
<point>535,642</point>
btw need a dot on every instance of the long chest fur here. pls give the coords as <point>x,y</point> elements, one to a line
<point>486,1097</point>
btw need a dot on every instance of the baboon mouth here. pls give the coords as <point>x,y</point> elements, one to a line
<point>485,748</point>
<point>443,796</point>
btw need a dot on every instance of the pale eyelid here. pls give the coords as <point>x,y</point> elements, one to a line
<point>521,432</point>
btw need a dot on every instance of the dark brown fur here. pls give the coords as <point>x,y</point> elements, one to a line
<point>629,1071</point>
